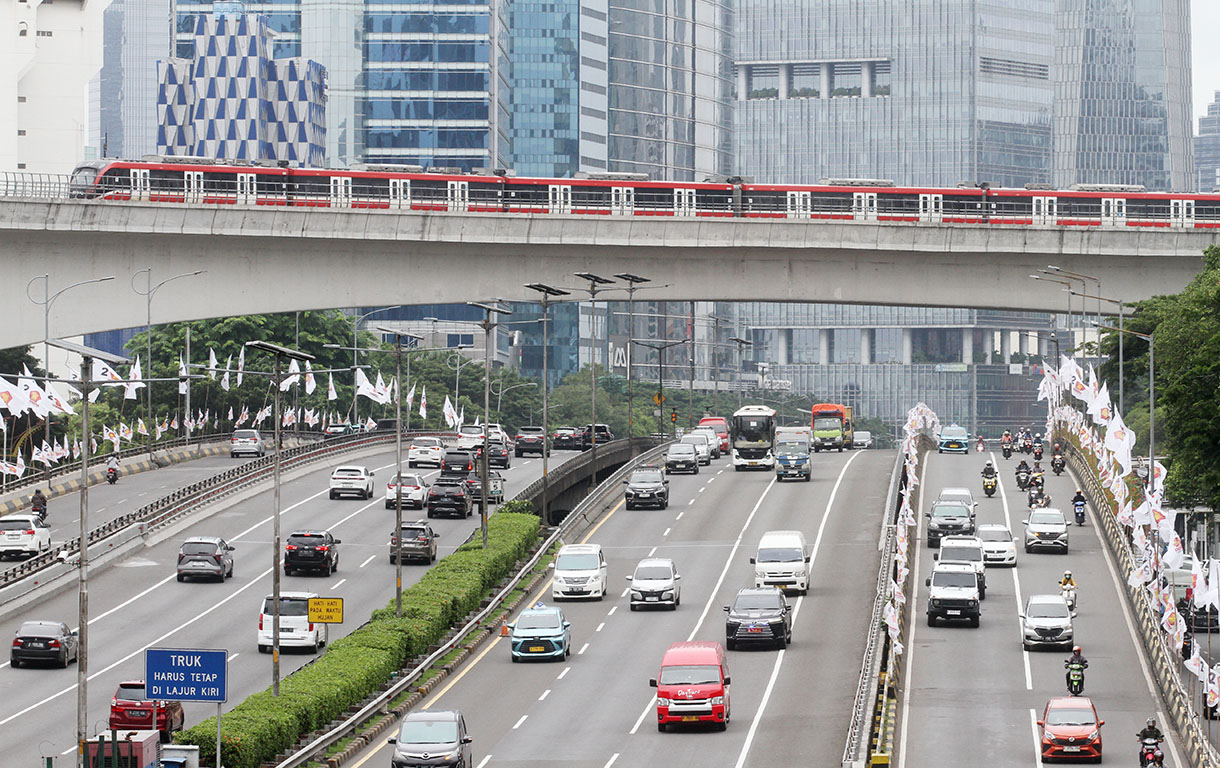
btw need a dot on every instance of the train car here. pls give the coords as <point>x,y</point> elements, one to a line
<point>617,194</point>
<point>862,200</point>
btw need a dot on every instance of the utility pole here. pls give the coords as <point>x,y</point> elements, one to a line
<point>550,292</point>
<point>484,469</point>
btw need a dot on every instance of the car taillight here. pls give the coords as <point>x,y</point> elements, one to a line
<point>322,548</point>
<point>53,644</point>
<point>290,547</point>
<point>393,539</point>
<point>17,642</point>
<point>260,621</point>
<point>180,556</point>
<point>412,487</point>
<point>311,626</point>
<point>29,532</point>
<point>217,556</point>
<point>421,538</point>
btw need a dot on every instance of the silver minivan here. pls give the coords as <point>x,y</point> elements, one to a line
<point>209,557</point>
<point>655,582</point>
<point>432,737</point>
<point>703,446</point>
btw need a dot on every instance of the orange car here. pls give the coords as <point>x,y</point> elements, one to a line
<point>1070,729</point>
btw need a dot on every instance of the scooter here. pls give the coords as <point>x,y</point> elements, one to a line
<point>40,509</point>
<point>112,475</point>
<point>1069,596</point>
<point>1028,445</point>
<point>1058,464</point>
<point>1038,452</point>
<point>980,445</point>
<point>1023,480</point>
<point>1006,449</point>
<point>989,485</point>
<point>1075,677</point>
<point>1079,506</point>
<point>1150,752</point>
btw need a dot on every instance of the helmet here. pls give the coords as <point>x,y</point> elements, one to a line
<point>988,464</point>
<point>1077,490</point>
<point>1076,649</point>
<point>1152,722</point>
<point>1067,574</point>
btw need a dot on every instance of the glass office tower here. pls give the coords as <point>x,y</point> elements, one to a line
<point>1207,149</point>
<point>136,35</point>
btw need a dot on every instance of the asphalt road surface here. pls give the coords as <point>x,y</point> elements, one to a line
<point>788,707</point>
<point>974,695</point>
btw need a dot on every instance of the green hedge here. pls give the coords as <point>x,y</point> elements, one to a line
<point>355,666</point>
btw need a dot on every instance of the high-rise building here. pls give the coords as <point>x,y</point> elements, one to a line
<point>137,35</point>
<point>1122,94</point>
<point>921,93</point>
<point>1207,149</point>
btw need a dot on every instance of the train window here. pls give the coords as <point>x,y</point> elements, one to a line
<point>622,201</point>
<point>684,202</point>
<point>458,195</point>
<point>559,198</point>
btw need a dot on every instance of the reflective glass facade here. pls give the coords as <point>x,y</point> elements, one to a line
<point>1122,96</point>
<point>921,93</point>
<point>135,36</point>
<point>1207,149</point>
<point>671,86</point>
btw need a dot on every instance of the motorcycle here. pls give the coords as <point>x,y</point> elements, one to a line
<point>112,475</point>
<point>1006,449</point>
<point>1075,677</point>
<point>1022,479</point>
<point>1038,452</point>
<point>40,508</point>
<point>1079,506</point>
<point>1038,479</point>
<point>989,485</point>
<point>1150,752</point>
<point>1028,445</point>
<point>980,445</point>
<point>1038,499</point>
<point>1069,596</point>
<point>1058,464</point>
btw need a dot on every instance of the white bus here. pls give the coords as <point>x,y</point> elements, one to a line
<point>752,432</point>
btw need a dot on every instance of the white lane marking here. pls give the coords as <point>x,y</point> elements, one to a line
<point>713,477</point>
<point>1016,581</point>
<point>582,650</point>
<point>651,552</point>
<point>338,583</point>
<point>139,495</point>
<point>599,628</point>
<point>914,599</point>
<point>779,659</point>
<point>483,762</point>
<point>1033,726</point>
<point>519,722</point>
<point>721,470</point>
<point>702,489</point>
<point>625,591</point>
<point>122,501</point>
<point>562,674</point>
<point>612,610</point>
<point>366,562</point>
<point>610,762</point>
<point>640,720</point>
<point>692,501</point>
<point>141,649</point>
<point>234,656</point>
<point>667,530</point>
<point>284,511</point>
<point>679,517</point>
<point>68,751</point>
<point>1135,641</point>
<point>545,693</point>
<point>366,507</point>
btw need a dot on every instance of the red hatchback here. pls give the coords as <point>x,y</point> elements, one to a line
<point>130,710</point>
<point>1071,730</point>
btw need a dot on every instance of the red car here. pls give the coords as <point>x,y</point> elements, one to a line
<point>1070,729</point>
<point>130,710</point>
<point>721,426</point>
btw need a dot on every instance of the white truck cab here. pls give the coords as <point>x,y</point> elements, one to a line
<point>782,561</point>
<point>967,550</point>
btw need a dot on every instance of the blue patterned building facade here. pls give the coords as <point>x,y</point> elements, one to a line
<point>231,99</point>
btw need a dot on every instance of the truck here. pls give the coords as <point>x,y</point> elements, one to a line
<point>752,435</point>
<point>832,426</point>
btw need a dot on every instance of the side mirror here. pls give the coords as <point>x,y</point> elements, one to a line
<point>625,482</point>
<point>628,577</point>
<point>752,561</point>
<point>806,558</point>
<point>338,541</point>
<point>371,473</point>
<point>1024,522</point>
<point>512,625</point>
<point>677,576</point>
<point>567,624</point>
<point>437,536</point>
<point>75,633</point>
<point>928,515</point>
<point>551,566</point>
<point>726,608</point>
<point>391,740</point>
<point>1100,723</point>
<point>935,556</point>
<point>728,680</point>
<point>927,582</point>
<point>1014,539</point>
<point>1040,723</point>
<point>467,740</point>
<point>652,682</point>
<point>231,548</point>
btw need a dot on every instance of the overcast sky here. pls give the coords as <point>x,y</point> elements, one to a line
<point>1205,75</point>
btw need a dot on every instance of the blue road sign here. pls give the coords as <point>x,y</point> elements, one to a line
<point>183,674</point>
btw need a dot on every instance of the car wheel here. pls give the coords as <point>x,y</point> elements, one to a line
<point>660,727</point>
<point>983,593</point>
<point>14,663</point>
<point>411,465</point>
<point>736,469</point>
<point>730,645</point>
<point>332,495</point>
<point>287,571</point>
<point>1026,646</point>
<point>931,620</point>
<point>808,478</point>
<point>1028,549</point>
<point>62,661</point>
<point>696,470</point>
<point>314,647</point>
<point>334,566</point>
<point>264,648</point>
<point>633,606</point>
<point>974,621</point>
<point>630,507</point>
<point>429,514</point>
<point>181,577</point>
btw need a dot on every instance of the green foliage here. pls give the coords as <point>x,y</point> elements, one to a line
<point>356,666</point>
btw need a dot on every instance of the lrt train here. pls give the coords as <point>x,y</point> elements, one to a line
<point>203,181</point>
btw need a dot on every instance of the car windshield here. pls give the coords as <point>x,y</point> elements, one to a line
<point>130,691</point>
<point>476,431</point>
<point>954,433</point>
<point>681,449</point>
<point>826,423</point>
<point>949,510</point>
<point>961,496</point>
<point>407,480</point>
<point>246,434</point>
<point>1046,518</point>
<point>653,572</point>
<point>651,476</point>
<point>953,579</point>
<point>780,555</point>
<point>428,732</point>
<point>695,439</point>
<point>961,554</point>
<point>756,603</point>
<point>582,562</point>
<point>289,606</point>
<point>306,539</point>
<point>545,620</point>
<point>1070,716</point>
<point>789,446</point>
<point>995,534</point>
<point>753,430</point>
<point>198,548</point>
<point>1047,609</point>
<point>14,524</point>
<point>689,675</point>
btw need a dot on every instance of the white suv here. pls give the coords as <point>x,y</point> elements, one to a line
<point>246,441</point>
<point>425,450</point>
<point>967,550</point>
<point>953,593</point>
<point>25,535</point>
<point>353,480</point>
<point>469,438</point>
<point>296,630</point>
<point>580,571</point>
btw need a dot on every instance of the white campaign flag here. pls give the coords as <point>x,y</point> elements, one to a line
<point>365,388</point>
<point>423,402</point>
<point>1212,597</point>
<point>330,387</point>
<point>57,402</point>
<point>310,384</point>
<point>1120,441</point>
<point>1198,585</point>
<point>34,394</point>
<point>294,375</point>
<point>212,365</point>
<point>241,364</point>
<point>1196,664</point>
<point>1069,371</point>
<point>410,397</point>
<point>370,425</point>
<point>449,414</point>
<point>1100,409</point>
<point>383,391</point>
<point>182,374</point>
<point>224,380</point>
<point>1175,555</point>
<point>13,398</point>
<point>133,380</point>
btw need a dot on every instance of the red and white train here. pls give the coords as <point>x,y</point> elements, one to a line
<point>209,182</point>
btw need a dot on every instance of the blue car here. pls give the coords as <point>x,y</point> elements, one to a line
<point>541,632</point>
<point>954,439</point>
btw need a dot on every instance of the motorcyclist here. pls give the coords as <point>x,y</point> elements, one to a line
<point>1079,498</point>
<point>1067,582</point>
<point>38,501</point>
<point>1006,439</point>
<point>1022,467</point>
<point>988,470</point>
<point>113,463</point>
<point>1150,731</point>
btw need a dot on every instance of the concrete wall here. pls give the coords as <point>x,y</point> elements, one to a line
<point>273,260</point>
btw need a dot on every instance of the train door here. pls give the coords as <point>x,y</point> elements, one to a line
<point>192,186</point>
<point>931,207</point>
<point>1113,212</point>
<point>247,188</point>
<point>1045,210</point>
<point>864,206</point>
<point>684,202</point>
<point>400,193</point>
<point>1182,213</point>
<point>458,195</point>
<point>559,198</point>
<point>139,183</point>
<point>340,191</point>
<point>622,201</point>
<point>799,205</point>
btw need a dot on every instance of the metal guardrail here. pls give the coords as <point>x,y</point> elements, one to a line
<point>168,508</point>
<point>608,487</point>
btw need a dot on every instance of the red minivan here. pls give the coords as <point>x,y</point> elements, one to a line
<point>693,686</point>
<point>721,426</point>
<point>129,709</point>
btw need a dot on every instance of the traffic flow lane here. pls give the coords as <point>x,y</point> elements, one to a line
<point>231,624</point>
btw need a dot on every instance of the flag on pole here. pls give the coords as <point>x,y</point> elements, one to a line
<point>57,402</point>
<point>224,380</point>
<point>370,425</point>
<point>182,374</point>
<point>141,427</point>
<point>310,384</point>
<point>410,396</point>
<point>75,450</point>
<point>294,375</point>
<point>423,402</point>
<point>449,413</point>
<point>461,417</point>
<point>241,364</point>
<point>126,432</point>
<point>104,373</point>
<point>160,430</point>
<point>211,363</point>
<point>174,424</point>
<point>13,398</point>
<point>330,387</point>
<point>33,393</point>
<point>133,380</point>
<point>383,392</point>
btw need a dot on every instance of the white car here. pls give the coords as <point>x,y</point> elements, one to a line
<point>425,450</point>
<point>1046,529</point>
<point>1046,621</point>
<point>246,441</point>
<point>703,446</point>
<point>655,582</point>
<point>999,545</point>
<point>712,438</point>
<point>351,480</point>
<point>414,492</point>
<point>579,571</point>
<point>967,550</point>
<point>296,630</point>
<point>25,535</point>
<point>469,438</point>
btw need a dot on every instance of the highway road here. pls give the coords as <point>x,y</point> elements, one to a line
<point>974,693</point>
<point>138,603</point>
<point>789,707</point>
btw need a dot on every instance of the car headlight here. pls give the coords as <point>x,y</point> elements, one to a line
<point>933,525</point>
<point>717,701</point>
<point>972,603</point>
<point>630,492</point>
<point>935,601</point>
<point>1094,735</point>
<point>668,593</point>
<point>637,595</point>
<point>662,702</point>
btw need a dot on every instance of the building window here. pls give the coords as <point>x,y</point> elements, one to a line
<point>23,29</point>
<point>459,339</point>
<point>21,166</point>
<point>20,131</point>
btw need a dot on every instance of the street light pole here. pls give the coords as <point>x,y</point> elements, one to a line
<point>1067,289</point>
<point>660,347</point>
<point>1082,277</point>
<point>147,293</point>
<point>1122,311</point>
<point>741,344</point>
<point>356,348</point>
<point>550,292</point>
<point>633,282</point>
<point>595,286</point>
<point>487,325</point>
<point>501,390</point>
<point>1151,398</point>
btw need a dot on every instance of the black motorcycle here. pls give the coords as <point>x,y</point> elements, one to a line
<point>1006,449</point>
<point>1058,464</point>
<point>1022,479</point>
<point>1038,452</point>
<point>112,475</point>
<point>40,508</point>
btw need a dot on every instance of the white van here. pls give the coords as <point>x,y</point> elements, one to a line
<point>296,630</point>
<point>580,571</point>
<point>782,561</point>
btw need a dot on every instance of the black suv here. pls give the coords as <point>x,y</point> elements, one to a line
<point>457,464</point>
<point>647,486</point>
<point>565,439</point>
<point>604,435</point>
<point>758,616</point>
<point>681,457</point>
<point>529,440</point>
<point>418,542</point>
<point>311,551</point>
<point>497,453</point>
<point>448,496</point>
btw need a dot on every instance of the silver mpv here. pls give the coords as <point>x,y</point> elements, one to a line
<point>208,557</point>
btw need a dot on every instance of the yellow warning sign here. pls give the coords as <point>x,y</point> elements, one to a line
<point>326,610</point>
